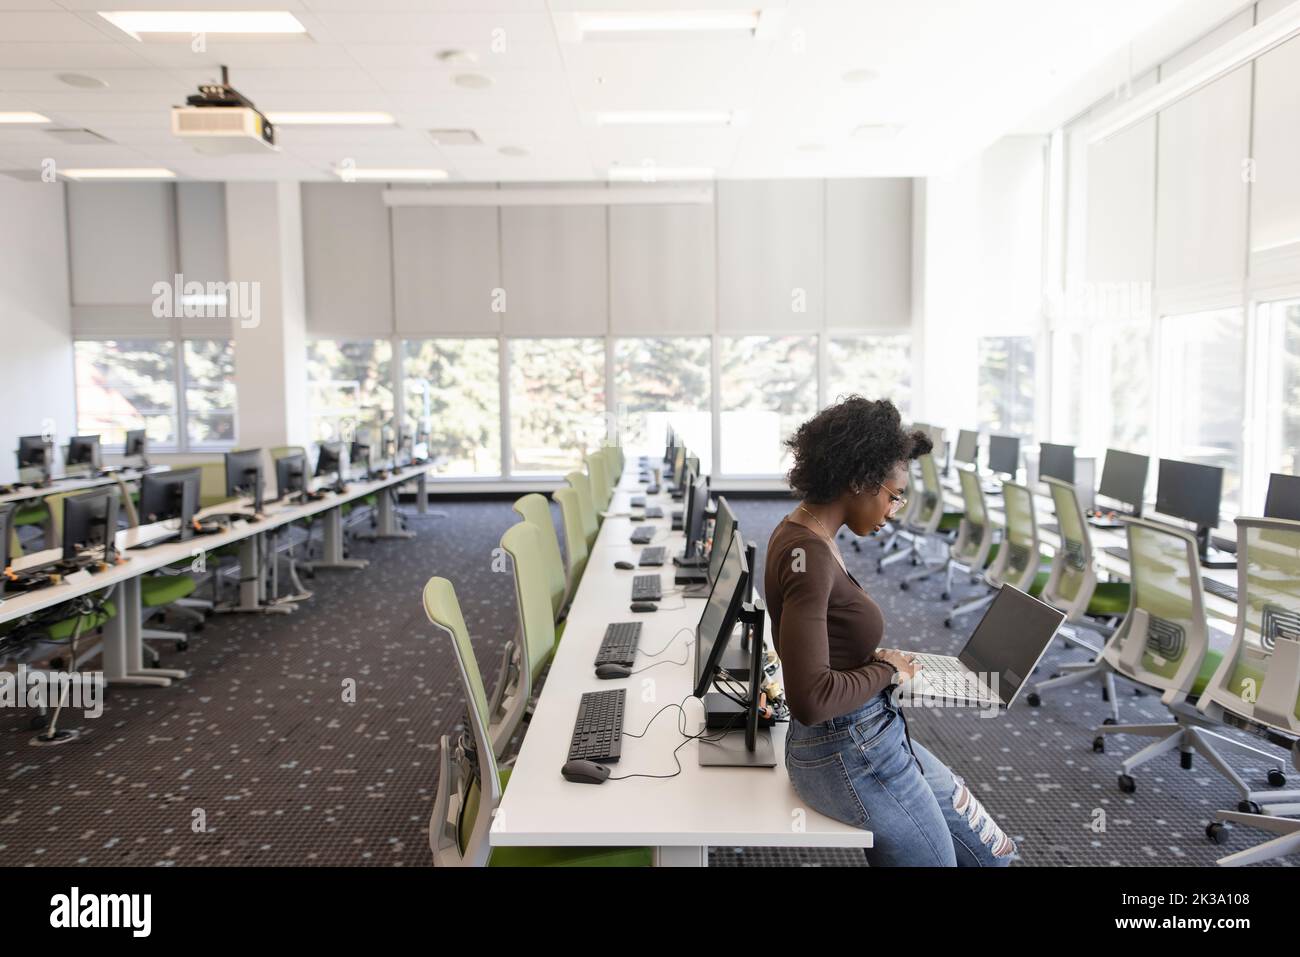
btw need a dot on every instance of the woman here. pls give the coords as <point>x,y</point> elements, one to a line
<point>847,749</point>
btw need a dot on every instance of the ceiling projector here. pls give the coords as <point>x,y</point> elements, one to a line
<point>220,120</point>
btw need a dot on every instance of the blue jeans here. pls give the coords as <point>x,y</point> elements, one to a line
<point>862,769</point>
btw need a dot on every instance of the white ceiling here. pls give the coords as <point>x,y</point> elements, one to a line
<point>953,75</point>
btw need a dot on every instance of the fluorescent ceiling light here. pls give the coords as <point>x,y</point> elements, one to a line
<point>658,174</point>
<point>120,173</point>
<point>391,175</point>
<point>329,118</point>
<point>669,21</point>
<point>22,117</point>
<point>664,118</point>
<point>137,22</point>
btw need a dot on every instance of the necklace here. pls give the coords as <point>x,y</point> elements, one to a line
<point>817,520</point>
<point>830,539</point>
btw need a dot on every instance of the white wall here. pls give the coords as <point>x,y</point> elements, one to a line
<point>36,366</point>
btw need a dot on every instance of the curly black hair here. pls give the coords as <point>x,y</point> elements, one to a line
<point>850,446</point>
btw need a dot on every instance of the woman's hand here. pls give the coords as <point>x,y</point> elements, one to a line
<point>905,664</point>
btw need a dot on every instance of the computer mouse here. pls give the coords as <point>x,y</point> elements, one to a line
<point>637,517</point>
<point>584,772</point>
<point>624,565</point>
<point>612,669</point>
<point>644,606</point>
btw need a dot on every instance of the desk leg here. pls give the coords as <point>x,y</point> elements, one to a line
<point>387,527</point>
<point>681,857</point>
<point>252,589</point>
<point>124,644</point>
<point>332,520</point>
<point>422,493</point>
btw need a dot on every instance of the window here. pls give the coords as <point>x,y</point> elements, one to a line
<point>1129,393</point>
<point>878,367</point>
<point>1202,368</point>
<point>209,392</point>
<point>1280,325</point>
<point>1006,385</point>
<point>1069,356</point>
<point>769,387</point>
<point>452,396</point>
<point>127,384</point>
<point>557,403</point>
<point>658,382</point>
<point>349,387</point>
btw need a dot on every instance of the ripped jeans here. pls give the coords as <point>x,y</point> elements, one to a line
<point>862,769</point>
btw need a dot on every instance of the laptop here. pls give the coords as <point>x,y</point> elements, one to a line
<point>996,661</point>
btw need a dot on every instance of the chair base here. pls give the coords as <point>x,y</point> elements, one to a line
<point>1083,672</point>
<point>1287,841</point>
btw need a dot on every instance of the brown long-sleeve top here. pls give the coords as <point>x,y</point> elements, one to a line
<point>825,628</point>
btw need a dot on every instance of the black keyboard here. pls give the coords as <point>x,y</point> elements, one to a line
<point>654,511</point>
<point>1214,587</point>
<point>1119,551</point>
<point>652,556</point>
<point>598,730</point>
<point>638,501</point>
<point>652,489</point>
<point>647,588</point>
<point>642,536</point>
<point>619,644</point>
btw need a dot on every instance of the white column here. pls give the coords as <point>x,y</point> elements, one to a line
<point>264,234</point>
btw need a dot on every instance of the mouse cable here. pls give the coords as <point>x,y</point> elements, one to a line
<point>687,739</point>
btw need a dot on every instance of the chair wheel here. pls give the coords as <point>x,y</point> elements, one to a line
<point>1276,778</point>
<point>947,623</point>
<point>1105,693</point>
<point>1110,721</point>
<point>1185,760</point>
<point>1055,674</point>
<point>1033,700</point>
<point>880,569</point>
<point>182,645</point>
<point>1099,744</point>
<point>1217,832</point>
<point>1127,784</point>
<point>1248,807</point>
<point>1137,692</point>
<point>944,596</point>
<point>902,586</point>
<point>915,561</point>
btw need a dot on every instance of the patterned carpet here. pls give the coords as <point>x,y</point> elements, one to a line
<point>259,758</point>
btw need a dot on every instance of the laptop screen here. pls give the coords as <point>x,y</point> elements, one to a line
<point>1009,640</point>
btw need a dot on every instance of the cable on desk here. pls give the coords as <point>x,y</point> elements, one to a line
<point>687,739</point>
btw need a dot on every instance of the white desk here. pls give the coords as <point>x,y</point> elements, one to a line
<point>123,646</point>
<point>75,484</point>
<point>682,816</point>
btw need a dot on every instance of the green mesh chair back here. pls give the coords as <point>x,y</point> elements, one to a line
<point>450,841</point>
<point>613,468</point>
<point>1163,639</point>
<point>284,451</point>
<point>599,481</point>
<point>523,542</point>
<point>929,509</point>
<point>534,509</point>
<point>1073,579</point>
<point>974,536</point>
<point>1259,677</point>
<point>212,482</point>
<point>581,485</point>
<point>1018,556</point>
<point>575,538</point>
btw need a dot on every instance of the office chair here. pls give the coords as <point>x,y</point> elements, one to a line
<point>575,539</point>
<point>599,481</point>
<point>930,521</point>
<point>536,510</point>
<point>1258,680</point>
<point>470,783</point>
<point>1072,585</point>
<point>581,485</point>
<point>973,546</point>
<point>1017,560</point>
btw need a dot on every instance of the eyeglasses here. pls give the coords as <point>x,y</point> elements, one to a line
<point>896,502</point>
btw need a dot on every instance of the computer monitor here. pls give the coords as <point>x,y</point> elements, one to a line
<point>6,523</point>
<point>329,460</point>
<point>33,452</point>
<point>1124,478</point>
<point>290,475</point>
<point>693,463</point>
<point>244,475</point>
<point>1191,492</point>
<point>1056,461</point>
<point>697,503</point>
<point>968,447</point>
<point>171,494</point>
<point>720,615</point>
<point>1004,454</point>
<point>1283,499</point>
<point>83,452</point>
<point>724,526</point>
<point>679,466</point>
<point>90,521</point>
<point>136,445</point>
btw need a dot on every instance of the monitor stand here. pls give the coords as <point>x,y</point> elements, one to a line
<point>1210,556</point>
<point>748,745</point>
